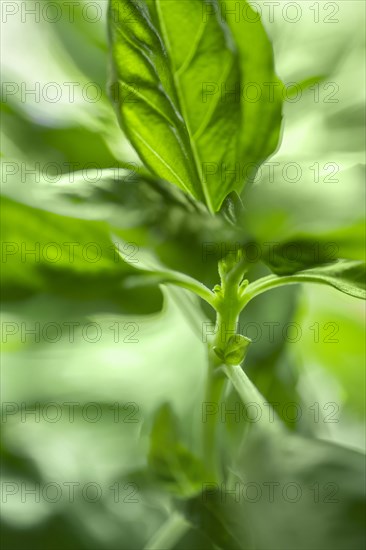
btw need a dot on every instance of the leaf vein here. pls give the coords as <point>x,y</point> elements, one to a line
<point>166,164</point>
<point>214,104</point>
<point>193,50</point>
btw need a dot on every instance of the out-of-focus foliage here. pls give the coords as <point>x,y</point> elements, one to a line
<point>137,352</point>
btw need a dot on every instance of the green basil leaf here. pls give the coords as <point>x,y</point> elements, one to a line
<point>179,76</point>
<point>291,257</point>
<point>65,256</point>
<point>304,224</point>
<point>345,275</point>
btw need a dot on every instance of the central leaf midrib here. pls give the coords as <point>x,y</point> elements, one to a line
<point>186,149</point>
<point>182,108</point>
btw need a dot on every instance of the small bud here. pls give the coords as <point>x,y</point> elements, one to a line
<point>219,352</point>
<point>229,262</point>
<point>236,349</point>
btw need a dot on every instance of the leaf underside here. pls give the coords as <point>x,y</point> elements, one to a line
<point>195,91</point>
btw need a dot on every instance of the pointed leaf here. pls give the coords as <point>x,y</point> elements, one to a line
<point>178,72</point>
<point>345,275</point>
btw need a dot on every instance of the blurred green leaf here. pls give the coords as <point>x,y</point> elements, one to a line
<point>334,348</point>
<point>57,532</point>
<point>52,150</point>
<point>220,519</point>
<point>139,209</point>
<point>107,373</point>
<point>194,540</point>
<point>70,257</point>
<point>171,462</point>
<point>295,227</point>
<point>291,257</point>
<point>317,497</point>
<point>102,523</point>
<point>76,32</point>
<point>108,366</point>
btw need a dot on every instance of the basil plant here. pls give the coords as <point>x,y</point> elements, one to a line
<point>200,247</point>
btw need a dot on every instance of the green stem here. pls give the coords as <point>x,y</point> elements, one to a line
<point>246,390</point>
<point>211,414</point>
<point>274,281</point>
<point>248,393</point>
<point>169,534</point>
<point>227,305</point>
<point>187,282</point>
